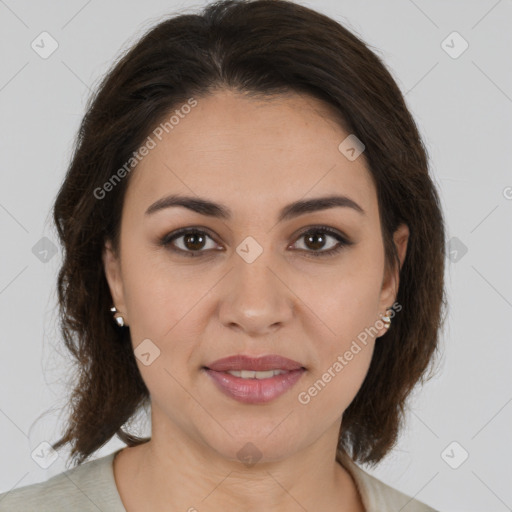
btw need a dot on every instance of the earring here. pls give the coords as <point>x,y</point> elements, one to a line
<point>386,318</point>
<point>119,319</point>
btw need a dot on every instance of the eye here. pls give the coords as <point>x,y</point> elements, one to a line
<point>318,235</point>
<point>192,241</point>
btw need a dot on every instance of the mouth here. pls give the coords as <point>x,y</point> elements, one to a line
<point>252,374</point>
<point>240,362</point>
<point>254,380</point>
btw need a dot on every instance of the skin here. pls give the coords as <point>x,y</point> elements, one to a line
<point>255,157</point>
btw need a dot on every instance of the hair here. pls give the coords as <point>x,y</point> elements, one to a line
<point>260,48</point>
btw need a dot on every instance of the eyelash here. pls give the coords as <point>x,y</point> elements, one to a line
<point>166,241</point>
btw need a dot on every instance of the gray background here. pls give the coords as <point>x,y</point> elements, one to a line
<point>463,107</point>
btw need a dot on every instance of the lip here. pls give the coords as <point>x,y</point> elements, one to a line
<point>259,364</point>
<point>254,391</point>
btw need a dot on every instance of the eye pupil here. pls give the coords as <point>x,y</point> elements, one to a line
<point>194,236</point>
<point>321,238</point>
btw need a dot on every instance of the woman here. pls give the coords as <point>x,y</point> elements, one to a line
<point>253,247</point>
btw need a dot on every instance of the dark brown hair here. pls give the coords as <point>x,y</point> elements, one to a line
<point>265,48</point>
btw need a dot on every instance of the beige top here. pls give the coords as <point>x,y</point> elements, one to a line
<point>91,487</point>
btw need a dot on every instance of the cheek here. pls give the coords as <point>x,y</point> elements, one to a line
<point>346,303</point>
<point>157,294</point>
<point>345,299</point>
<point>341,364</point>
<point>165,305</point>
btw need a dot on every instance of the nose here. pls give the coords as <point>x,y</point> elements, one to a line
<point>255,298</point>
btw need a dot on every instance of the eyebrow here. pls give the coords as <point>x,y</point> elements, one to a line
<point>216,210</point>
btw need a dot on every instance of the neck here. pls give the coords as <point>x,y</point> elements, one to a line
<point>172,471</point>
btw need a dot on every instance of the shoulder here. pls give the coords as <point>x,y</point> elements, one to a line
<point>87,487</point>
<point>380,497</point>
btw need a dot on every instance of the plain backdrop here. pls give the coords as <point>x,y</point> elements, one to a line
<point>455,452</point>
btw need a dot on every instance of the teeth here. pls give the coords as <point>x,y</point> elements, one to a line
<point>249,374</point>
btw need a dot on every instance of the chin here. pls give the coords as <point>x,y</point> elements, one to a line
<point>253,442</point>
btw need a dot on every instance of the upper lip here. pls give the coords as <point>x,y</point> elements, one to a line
<point>242,362</point>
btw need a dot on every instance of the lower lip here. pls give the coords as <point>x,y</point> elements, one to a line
<point>255,391</point>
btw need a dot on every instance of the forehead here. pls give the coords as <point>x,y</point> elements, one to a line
<point>249,152</point>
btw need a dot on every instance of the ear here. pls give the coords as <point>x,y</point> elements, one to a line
<point>391,278</point>
<point>112,267</point>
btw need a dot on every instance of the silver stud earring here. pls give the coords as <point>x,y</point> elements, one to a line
<point>118,318</point>
<point>386,319</point>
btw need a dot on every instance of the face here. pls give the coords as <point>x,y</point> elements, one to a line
<point>263,279</point>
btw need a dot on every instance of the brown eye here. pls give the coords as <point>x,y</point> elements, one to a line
<point>194,242</point>
<point>190,241</point>
<point>316,239</point>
